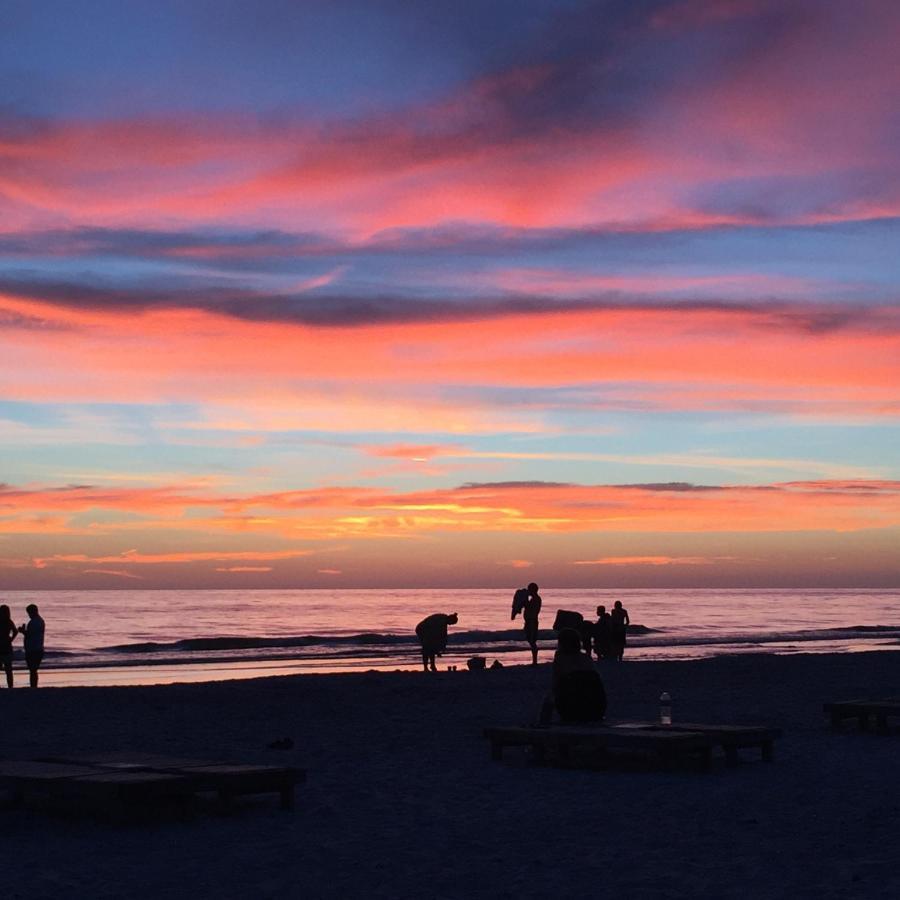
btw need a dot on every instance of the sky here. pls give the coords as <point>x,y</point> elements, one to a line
<point>596,293</point>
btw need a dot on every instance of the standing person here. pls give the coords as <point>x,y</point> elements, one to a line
<point>33,631</point>
<point>530,613</point>
<point>432,633</point>
<point>602,634</point>
<point>618,628</point>
<point>8,632</point>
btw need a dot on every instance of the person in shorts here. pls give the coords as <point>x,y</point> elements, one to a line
<point>34,643</point>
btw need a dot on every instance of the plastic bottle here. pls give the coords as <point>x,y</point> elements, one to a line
<point>665,708</point>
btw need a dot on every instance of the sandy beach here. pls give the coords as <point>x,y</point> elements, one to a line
<point>403,801</point>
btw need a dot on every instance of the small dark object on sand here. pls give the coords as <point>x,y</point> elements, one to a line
<point>282,744</point>
<point>476,663</point>
<point>496,664</point>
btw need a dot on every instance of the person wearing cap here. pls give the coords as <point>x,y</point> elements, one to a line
<point>432,634</point>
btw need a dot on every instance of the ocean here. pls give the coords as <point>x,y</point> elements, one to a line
<point>147,637</point>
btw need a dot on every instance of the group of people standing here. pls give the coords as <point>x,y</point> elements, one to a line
<point>33,638</point>
<point>606,637</point>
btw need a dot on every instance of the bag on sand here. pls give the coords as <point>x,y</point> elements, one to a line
<point>476,663</point>
<point>566,618</point>
<point>520,598</point>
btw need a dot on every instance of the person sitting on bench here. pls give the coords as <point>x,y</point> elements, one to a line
<point>578,693</point>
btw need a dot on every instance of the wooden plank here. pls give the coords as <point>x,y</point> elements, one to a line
<point>730,738</point>
<point>130,777</point>
<point>665,746</point>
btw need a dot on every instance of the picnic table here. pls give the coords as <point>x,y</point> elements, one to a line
<point>863,711</point>
<point>120,781</point>
<point>664,744</point>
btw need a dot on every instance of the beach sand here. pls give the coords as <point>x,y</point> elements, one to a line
<point>403,801</point>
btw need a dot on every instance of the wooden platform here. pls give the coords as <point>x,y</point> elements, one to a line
<point>662,744</point>
<point>730,738</point>
<point>117,782</point>
<point>866,712</point>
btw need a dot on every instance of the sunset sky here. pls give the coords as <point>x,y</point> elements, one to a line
<point>376,293</point>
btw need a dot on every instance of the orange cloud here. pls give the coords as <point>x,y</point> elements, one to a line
<point>431,376</point>
<point>649,561</point>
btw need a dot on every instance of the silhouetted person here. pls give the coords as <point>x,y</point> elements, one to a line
<point>618,628</point>
<point>432,633</point>
<point>530,613</point>
<point>578,692</point>
<point>33,632</point>
<point>603,634</point>
<point>587,635</point>
<point>8,632</point>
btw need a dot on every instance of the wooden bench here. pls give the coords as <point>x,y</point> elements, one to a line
<point>127,779</point>
<point>664,742</point>
<point>730,738</point>
<point>559,741</point>
<point>91,786</point>
<point>863,711</point>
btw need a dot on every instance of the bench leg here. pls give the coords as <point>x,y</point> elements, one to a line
<point>496,751</point>
<point>837,720</point>
<point>767,749</point>
<point>731,756</point>
<point>286,797</point>
<point>881,723</point>
<point>863,719</point>
<point>706,759</point>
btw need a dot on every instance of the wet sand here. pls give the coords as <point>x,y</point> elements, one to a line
<point>403,801</point>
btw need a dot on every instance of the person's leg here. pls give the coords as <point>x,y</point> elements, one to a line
<point>424,659</point>
<point>9,673</point>
<point>533,654</point>
<point>33,678</point>
<point>431,662</point>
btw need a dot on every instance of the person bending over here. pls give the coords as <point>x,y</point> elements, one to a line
<point>432,634</point>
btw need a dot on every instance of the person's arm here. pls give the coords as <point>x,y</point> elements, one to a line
<point>627,620</point>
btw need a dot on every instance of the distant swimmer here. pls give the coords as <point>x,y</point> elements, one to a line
<point>8,632</point>
<point>432,634</point>
<point>33,631</point>
<point>618,629</point>
<point>530,613</point>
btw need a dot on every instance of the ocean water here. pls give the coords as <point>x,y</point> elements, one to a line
<point>141,637</point>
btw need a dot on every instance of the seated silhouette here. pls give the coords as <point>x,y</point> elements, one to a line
<point>578,692</point>
<point>581,697</point>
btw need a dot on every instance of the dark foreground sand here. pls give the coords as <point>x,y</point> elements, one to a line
<point>402,800</point>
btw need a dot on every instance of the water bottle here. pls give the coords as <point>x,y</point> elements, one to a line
<point>665,708</point>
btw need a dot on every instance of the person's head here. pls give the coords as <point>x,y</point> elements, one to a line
<point>4,613</point>
<point>32,610</point>
<point>532,588</point>
<point>618,604</point>
<point>601,610</point>
<point>452,619</point>
<point>569,641</point>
